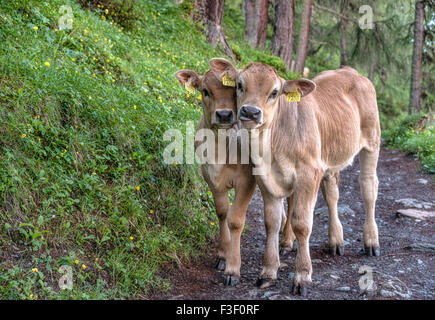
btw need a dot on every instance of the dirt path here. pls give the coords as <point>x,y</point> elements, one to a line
<point>405,269</point>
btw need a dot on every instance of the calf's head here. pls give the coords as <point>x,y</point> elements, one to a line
<point>218,101</point>
<point>258,88</point>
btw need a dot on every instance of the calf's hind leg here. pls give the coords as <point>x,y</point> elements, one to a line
<point>288,237</point>
<point>329,186</point>
<point>369,190</point>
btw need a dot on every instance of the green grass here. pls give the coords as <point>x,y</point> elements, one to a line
<point>416,137</point>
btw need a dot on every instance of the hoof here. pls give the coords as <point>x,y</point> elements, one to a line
<point>300,289</point>
<point>220,264</point>
<point>264,283</point>
<point>231,280</point>
<point>336,250</point>
<point>286,251</point>
<point>372,251</point>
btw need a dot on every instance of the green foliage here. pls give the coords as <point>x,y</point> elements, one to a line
<point>415,135</point>
<point>121,12</point>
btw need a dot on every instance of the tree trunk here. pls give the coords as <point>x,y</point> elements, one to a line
<point>262,17</point>
<point>303,37</point>
<point>213,11</point>
<point>250,25</point>
<point>343,43</point>
<point>416,73</point>
<point>283,33</point>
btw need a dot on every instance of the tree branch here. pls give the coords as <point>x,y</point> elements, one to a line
<point>335,12</point>
<point>344,17</point>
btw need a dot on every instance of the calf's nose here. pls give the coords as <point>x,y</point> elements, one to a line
<point>249,113</point>
<point>224,116</point>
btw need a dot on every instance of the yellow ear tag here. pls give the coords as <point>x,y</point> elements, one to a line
<point>188,86</point>
<point>226,81</point>
<point>294,96</point>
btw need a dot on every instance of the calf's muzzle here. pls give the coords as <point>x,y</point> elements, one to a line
<point>248,113</point>
<point>224,116</point>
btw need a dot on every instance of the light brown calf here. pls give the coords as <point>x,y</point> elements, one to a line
<point>310,141</point>
<point>219,112</point>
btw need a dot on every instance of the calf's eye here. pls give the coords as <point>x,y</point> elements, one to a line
<point>273,94</point>
<point>205,93</point>
<point>239,86</point>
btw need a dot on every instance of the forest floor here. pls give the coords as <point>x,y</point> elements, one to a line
<point>405,269</point>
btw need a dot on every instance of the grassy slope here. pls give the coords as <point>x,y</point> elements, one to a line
<point>82,181</point>
<point>82,115</point>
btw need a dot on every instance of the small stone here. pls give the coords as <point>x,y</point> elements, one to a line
<point>414,203</point>
<point>422,181</point>
<point>344,289</point>
<point>408,202</point>
<point>268,294</point>
<point>333,276</point>
<point>386,293</point>
<point>422,247</point>
<point>416,214</point>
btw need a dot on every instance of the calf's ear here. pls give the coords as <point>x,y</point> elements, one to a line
<point>304,86</point>
<point>220,67</point>
<point>188,77</point>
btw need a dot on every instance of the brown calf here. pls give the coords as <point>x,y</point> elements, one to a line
<point>219,112</point>
<point>331,119</point>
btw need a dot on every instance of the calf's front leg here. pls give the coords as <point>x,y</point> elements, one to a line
<point>236,221</point>
<point>221,203</point>
<point>272,220</point>
<point>302,223</point>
